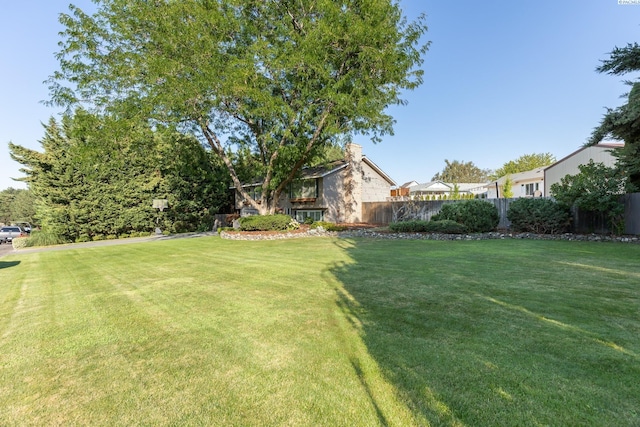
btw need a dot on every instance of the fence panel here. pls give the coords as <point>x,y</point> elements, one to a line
<point>632,213</point>
<point>583,222</point>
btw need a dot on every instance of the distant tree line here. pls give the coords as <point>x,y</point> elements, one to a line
<point>16,205</point>
<point>96,177</point>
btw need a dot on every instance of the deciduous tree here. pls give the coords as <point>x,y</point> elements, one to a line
<point>280,78</point>
<point>524,163</point>
<point>457,171</point>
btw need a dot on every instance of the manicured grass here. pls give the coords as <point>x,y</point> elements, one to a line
<point>322,332</point>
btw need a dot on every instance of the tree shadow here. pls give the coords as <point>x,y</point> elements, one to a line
<point>7,264</point>
<point>453,355</point>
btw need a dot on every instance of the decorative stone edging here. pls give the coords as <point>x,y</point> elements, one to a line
<point>367,233</point>
<point>231,235</point>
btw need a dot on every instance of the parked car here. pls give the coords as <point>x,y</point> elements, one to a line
<point>10,232</point>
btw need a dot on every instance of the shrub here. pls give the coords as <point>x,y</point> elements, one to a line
<point>478,216</point>
<point>446,226</point>
<point>419,226</point>
<point>19,242</point>
<point>308,220</point>
<point>542,216</point>
<point>277,222</point>
<point>44,238</point>
<point>328,226</point>
<point>411,226</point>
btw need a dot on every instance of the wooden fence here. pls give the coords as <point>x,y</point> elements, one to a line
<point>583,222</point>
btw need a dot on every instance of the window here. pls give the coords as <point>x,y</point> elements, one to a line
<point>530,189</point>
<point>304,189</point>
<point>316,215</point>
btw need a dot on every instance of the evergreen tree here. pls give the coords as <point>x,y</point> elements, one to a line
<point>623,122</point>
<point>96,178</point>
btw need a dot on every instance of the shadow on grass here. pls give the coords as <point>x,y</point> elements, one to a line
<point>7,264</point>
<point>428,316</point>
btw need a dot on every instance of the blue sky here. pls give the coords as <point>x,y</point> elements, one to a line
<point>502,79</point>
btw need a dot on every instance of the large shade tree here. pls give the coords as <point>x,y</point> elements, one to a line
<point>623,123</point>
<point>279,78</point>
<point>457,171</point>
<point>524,163</point>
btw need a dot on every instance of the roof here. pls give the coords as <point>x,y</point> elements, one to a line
<point>520,176</point>
<point>332,167</point>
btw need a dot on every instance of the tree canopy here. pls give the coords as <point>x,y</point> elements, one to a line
<point>279,79</point>
<point>96,178</point>
<point>524,163</point>
<point>623,123</point>
<point>457,171</point>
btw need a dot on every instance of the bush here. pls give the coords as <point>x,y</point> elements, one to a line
<point>479,216</point>
<point>328,226</point>
<point>419,226</point>
<point>44,238</point>
<point>19,242</point>
<point>411,226</point>
<point>446,226</point>
<point>542,216</point>
<point>277,222</point>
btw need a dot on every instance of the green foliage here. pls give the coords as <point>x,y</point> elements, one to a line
<point>478,216</point>
<point>446,226</point>
<point>98,176</point>
<point>622,123</point>
<point>597,188</point>
<point>328,226</point>
<point>298,77</point>
<point>538,215</point>
<point>507,188</point>
<point>411,226</point>
<point>457,171</point>
<point>19,242</point>
<point>278,222</point>
<point>420,226</point>
<point>43,238</point>
<point>524,163</point>
<point>17,205</point>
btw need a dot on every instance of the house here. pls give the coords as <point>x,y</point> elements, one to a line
<point>437,190</point>
<point>403,190</point>
<point>334,192</point>
<point>523,184</point>
<point>599,153</point>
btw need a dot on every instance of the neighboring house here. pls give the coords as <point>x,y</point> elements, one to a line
<point>523,184</point>
<point>599,153</point>
<point>403,190</point>
<point>334,192</point>
<point>439,190</point>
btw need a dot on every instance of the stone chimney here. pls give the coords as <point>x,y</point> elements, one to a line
<point>353,184</point>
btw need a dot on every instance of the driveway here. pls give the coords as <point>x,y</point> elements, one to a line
<point>7,249</point>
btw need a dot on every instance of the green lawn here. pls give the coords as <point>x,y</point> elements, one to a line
<point>322,332</point>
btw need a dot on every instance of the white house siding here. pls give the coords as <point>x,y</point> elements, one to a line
<point>600,153</point>
<point>518,183</point>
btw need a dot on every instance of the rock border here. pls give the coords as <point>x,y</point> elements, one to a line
<point>369,233</point>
